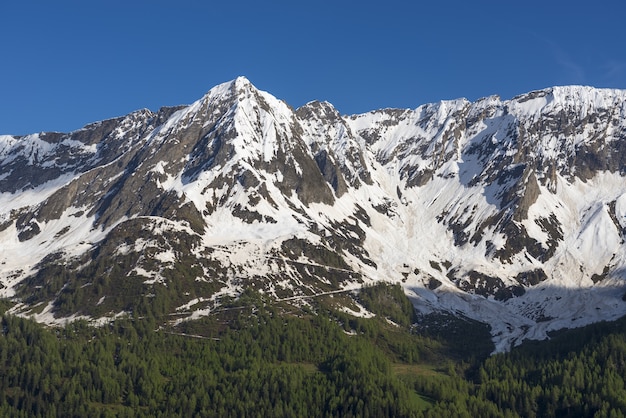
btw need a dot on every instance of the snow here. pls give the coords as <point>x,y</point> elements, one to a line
<point>32,197</point>
<point>410,244</point>
<point>72,234</point>
<point>532,106</point>
<point>597,235</point>
<point>620,210</point>
<point>581,207</point>
<point>46,316</point>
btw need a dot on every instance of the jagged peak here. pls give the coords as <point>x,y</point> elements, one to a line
<point>222,101</point>
<point>323,104</point>
<point>242,82</point>
<point>487,101</point>
<point>231,88</point>
<point>145,112</point>
<point>451,105</point>
<point>320,109</point>
<point>396,194</point>
<point>239,94</point>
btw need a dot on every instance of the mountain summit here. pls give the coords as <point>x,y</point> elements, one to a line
<point>508,212</point>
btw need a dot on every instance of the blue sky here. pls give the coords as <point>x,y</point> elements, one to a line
<point>66,63</point>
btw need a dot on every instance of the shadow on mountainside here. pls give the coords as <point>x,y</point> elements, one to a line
<point>542,309</point>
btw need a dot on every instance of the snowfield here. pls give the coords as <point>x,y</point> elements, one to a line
<point>511,212</point>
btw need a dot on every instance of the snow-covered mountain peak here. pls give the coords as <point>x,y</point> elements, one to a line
<point>510,212</point>
<point>445,108</point>
<point>242,82</point>
<point>580,100</point>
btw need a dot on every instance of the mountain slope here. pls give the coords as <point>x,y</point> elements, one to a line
<point>508,212</point>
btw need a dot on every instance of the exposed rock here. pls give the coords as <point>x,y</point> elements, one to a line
<point>486,202</point>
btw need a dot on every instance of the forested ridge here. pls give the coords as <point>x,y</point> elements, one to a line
<point>262,360</point>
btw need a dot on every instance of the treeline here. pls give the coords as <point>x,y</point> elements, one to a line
<point>579,373</point>
<point>265,366</point>
<point>265,362</point>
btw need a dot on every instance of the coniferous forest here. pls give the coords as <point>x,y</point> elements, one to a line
<point>261,359</point>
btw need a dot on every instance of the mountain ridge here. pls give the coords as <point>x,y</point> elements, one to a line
<point>492,209</point>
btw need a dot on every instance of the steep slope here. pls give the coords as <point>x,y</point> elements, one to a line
<point>510,188</point>
<point>509,212</point>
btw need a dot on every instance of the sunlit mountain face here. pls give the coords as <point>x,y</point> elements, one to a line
<point>510,212</point>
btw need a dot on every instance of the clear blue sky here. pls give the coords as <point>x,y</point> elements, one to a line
<point>66,63</point>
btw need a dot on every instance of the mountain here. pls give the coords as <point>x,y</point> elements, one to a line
<point>509,212</point>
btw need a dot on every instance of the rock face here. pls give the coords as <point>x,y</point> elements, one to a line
<point>509,212</point>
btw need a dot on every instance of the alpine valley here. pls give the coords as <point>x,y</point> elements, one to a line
<point>507,212</point>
